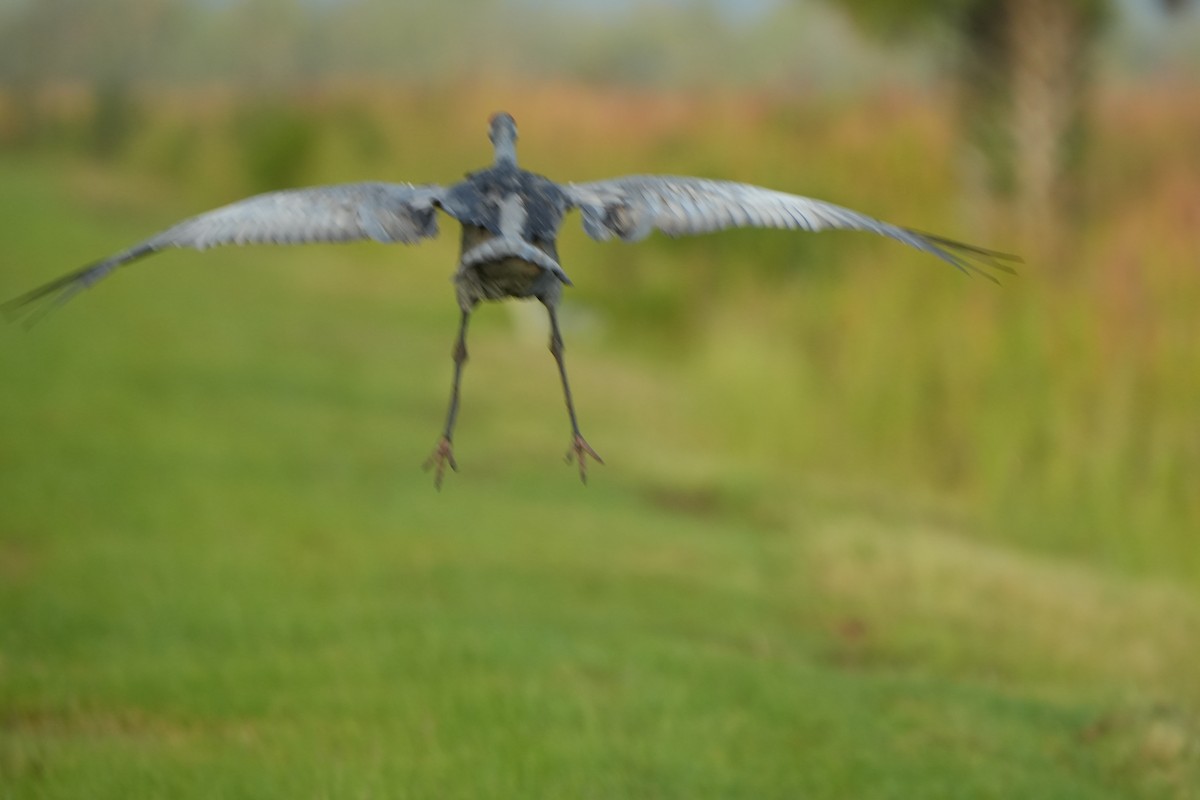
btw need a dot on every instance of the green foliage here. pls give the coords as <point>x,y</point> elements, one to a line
<point>894,18</point>
<point>113,119</point>
<point>277,144</point>
<point>268,44</point>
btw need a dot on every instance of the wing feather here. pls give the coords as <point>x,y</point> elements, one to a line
<point>385,212</point>
<point>630,208</point>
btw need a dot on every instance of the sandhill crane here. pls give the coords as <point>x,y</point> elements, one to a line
<point>510,219</point>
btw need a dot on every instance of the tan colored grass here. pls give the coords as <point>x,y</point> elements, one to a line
<point>926,594</point>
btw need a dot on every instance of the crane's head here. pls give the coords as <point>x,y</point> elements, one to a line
<point>502,130</point>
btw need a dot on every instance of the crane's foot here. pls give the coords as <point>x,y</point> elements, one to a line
<point>579,451</point>
<point>442,455</point>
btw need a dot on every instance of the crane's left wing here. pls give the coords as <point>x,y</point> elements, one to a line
<point>385,212</point>
<point>630,208</point>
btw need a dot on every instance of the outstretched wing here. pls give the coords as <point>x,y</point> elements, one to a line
<point>631,207</point>
<point>385,212</point>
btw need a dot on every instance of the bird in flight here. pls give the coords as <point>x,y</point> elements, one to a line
<point>510,219</point>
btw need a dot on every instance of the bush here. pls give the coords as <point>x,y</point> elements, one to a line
<point>277,145</point>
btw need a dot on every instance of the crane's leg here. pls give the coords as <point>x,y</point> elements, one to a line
<point>443,454</point>
<point>579,449</point>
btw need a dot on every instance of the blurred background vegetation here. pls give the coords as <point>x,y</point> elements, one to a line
<point>862,518</point>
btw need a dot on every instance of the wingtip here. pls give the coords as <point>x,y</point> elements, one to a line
<point>29,309</point>
<point>971,259</point>
<point>33,306</point>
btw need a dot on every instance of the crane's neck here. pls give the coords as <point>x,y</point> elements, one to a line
<point>502,130</point>
<point>506,151</point>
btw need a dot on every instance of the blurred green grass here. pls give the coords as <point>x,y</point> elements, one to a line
<point>867,529</point>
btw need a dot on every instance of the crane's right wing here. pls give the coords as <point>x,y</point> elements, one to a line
<point>385,212</point>
<point>632,207</point>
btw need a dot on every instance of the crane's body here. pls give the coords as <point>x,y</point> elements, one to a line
<point>510,220</point>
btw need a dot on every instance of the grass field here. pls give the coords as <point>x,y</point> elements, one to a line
<point>869,530</point>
